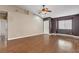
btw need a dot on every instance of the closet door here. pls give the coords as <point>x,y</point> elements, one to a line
<point>3,30</point>
<point>46,27</point>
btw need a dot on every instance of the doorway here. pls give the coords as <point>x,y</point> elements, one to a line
<point>3,29</point>
<point>46,27</point>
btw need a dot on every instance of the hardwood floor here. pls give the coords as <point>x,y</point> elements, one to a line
<point>43,44</point>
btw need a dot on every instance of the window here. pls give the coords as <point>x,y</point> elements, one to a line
<point>65,24</point>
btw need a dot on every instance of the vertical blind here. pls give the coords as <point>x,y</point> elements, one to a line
<point>65,24</point>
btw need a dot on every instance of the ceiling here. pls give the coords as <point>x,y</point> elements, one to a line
<point>57,10</point>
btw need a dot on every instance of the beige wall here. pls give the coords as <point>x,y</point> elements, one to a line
<point>22,25</point>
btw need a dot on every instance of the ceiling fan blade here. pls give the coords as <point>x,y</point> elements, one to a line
<point>49,11</point>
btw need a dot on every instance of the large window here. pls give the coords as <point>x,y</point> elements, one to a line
<point>65,24</point>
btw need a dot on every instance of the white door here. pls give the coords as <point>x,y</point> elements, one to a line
<point>46,27</point>
<point>3,33</point>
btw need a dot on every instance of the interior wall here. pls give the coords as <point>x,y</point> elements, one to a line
<point>20,24</point>
<point>75,25</point>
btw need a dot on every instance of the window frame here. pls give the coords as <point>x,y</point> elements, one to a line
<point>64,28</point>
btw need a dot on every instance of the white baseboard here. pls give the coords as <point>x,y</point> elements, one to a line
<point>47,34</point>
<point>24,36</point>
<point>65,35</point>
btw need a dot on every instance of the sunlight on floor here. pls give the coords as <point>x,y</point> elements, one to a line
<point>64,45</point>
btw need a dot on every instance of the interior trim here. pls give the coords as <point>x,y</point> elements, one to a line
<point>73,36</point>
<point>24,36</point>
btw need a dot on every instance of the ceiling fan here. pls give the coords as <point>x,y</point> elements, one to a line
<point>44,10</point>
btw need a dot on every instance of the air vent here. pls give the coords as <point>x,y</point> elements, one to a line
<point>26,12</point>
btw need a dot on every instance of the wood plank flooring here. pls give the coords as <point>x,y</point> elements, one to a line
<point>43,44</point>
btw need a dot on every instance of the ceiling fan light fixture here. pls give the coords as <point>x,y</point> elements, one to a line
<point>44,10</point>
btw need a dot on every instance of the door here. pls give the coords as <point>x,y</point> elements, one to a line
<point>3,30</point>
<point>46,27</point>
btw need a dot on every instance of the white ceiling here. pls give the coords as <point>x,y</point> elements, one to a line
<point>57,10</point>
